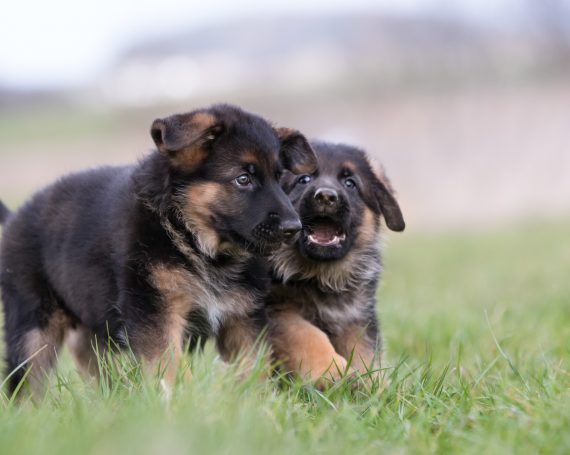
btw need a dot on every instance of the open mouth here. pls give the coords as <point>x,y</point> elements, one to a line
<point>324,232</point>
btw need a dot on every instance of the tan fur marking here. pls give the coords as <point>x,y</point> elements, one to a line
<point>190,157</point>
<point>368,231</point>
<point>42,345</point>
<point>370,222</point>
<point>203,120</point>
<point>249,157</point>
<point>81,344</point>
<point>172,283</point>
<point>165,354</point>
<point>236,340</point>
<point>169,365</point>
<point>194,154</point>
<point>236,336</point>
<point>305,349</point>
<point>283,132</point>
<point>42,353</point>
<point>350,166</point>
<point>198,215</point>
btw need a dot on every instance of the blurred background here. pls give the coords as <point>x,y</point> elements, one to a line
<point>466,103</point>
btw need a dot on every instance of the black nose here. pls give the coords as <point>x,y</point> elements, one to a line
<point>290,227</point>
<point>326,196</point>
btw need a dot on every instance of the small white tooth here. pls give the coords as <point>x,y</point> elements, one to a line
<point>334,241</point>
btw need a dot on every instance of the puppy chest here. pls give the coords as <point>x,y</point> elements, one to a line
<point>183,294</point>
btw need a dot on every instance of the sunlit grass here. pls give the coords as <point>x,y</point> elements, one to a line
<point>477,330</point>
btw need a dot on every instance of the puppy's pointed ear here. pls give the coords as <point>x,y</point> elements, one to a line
<point>287,181</point>
<point>296,153</point>
<point>380,197</point>
<point>183,137</point>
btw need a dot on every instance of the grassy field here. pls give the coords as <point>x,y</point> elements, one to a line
<point>477,330</point>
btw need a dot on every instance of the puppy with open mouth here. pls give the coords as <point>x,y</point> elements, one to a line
<point>321,309</point>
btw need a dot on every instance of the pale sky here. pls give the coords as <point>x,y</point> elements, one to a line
<point>56,43</point>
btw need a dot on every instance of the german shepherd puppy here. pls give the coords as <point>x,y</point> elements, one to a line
<point>321,310</point>
<point>152,254</point>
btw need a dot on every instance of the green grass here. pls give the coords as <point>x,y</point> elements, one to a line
<point>477,330</point>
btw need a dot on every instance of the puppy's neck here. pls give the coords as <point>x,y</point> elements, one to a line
<point>360,266</point>
<point>193,245</point>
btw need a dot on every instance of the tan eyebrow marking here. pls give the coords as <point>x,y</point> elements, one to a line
<point>249,157</point>
<point>350,166</point>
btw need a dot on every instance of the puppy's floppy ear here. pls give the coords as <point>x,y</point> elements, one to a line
<point>379,195</point>
<point>296,153</point>
<point>183,137</point>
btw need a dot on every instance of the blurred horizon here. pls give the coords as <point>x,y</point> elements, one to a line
<point>47,59</point>
<point>465,103</point>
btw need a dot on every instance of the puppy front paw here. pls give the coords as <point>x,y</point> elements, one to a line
<point>329,374</point>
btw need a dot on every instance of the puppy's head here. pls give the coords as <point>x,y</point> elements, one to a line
<point>341,202</point>
<point>224,165</point>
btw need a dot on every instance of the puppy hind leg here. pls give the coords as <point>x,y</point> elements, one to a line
<point>84,349</point>
<point>33,353</point>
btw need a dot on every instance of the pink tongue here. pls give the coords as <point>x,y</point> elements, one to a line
<point>324,232</point>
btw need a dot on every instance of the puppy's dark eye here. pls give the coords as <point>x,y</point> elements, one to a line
<point>243,180</point>
<point>304,179</point>
<point>349,183</point>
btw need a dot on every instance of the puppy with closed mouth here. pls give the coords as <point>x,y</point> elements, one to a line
<point>321,308</point>
<point>152,254</point>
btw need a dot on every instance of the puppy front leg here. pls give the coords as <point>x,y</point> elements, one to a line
<point>159,335</point>
<point>305,349</point>
<point>238,336</point>
<point>160,349</point>
<point>360,342</point>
